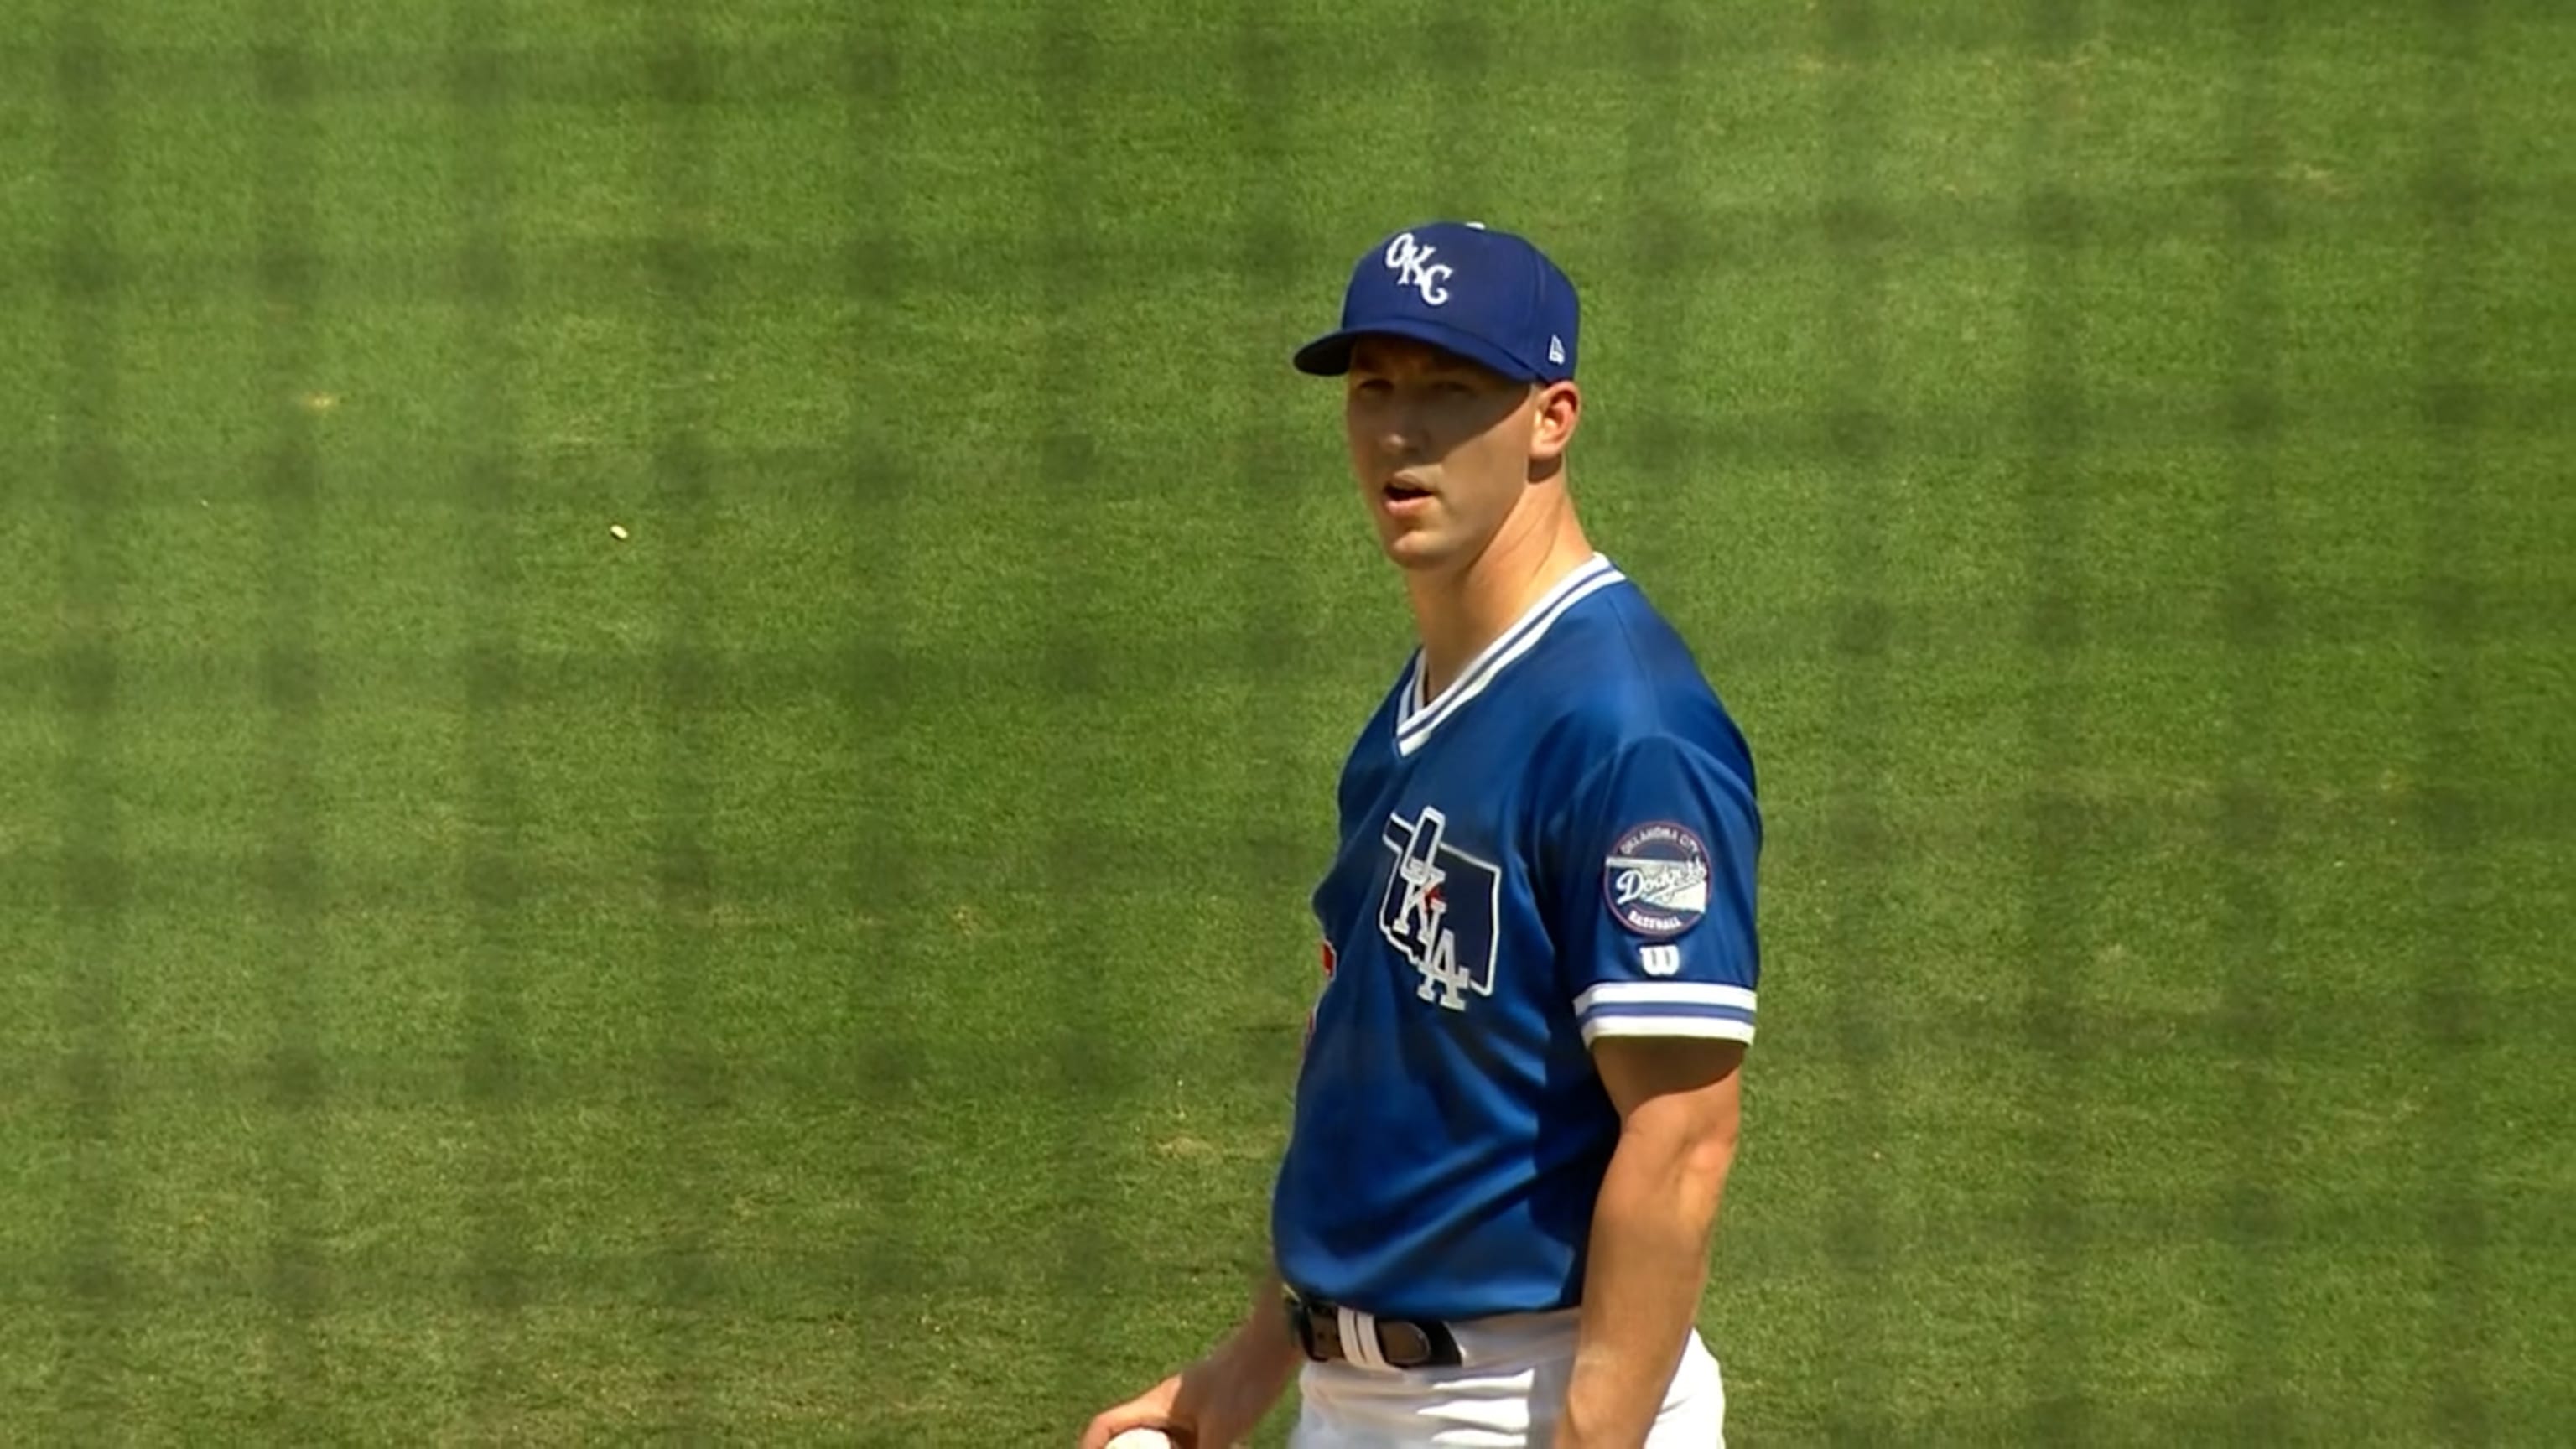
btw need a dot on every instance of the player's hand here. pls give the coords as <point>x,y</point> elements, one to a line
<point>1214,1403</point>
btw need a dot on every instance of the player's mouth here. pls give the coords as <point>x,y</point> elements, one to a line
<point>1402,497</point>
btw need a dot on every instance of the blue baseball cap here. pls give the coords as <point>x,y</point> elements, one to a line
<point>1486,295</point>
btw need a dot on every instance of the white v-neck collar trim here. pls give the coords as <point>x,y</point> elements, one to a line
<point>1416,717</point>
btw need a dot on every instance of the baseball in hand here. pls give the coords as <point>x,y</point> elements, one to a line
<point>1142,1439</point>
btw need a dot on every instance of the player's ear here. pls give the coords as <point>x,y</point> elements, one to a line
<point>1552,423</point>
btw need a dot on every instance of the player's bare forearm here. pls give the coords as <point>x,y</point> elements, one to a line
<point>1263,1336</point>
<point>1648,1261</point>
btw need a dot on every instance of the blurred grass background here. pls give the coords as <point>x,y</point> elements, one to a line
<point>827,968</point>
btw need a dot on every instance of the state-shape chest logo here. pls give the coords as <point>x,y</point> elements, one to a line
<point>1439,909</point>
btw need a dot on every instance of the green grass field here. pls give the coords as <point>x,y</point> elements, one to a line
<point>828,967</point>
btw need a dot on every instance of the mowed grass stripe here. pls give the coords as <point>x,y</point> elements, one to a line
<point>2058,1346</point>
<point>2248,826</point>
<point>296,1286</point>
<point>1084,1002</point>
<point>92,1336</point>
<point>688,876</point>
<point>891,508</point>
<point>2456,1014</point>
<point>497,1053</point>
<point>1853,115</point>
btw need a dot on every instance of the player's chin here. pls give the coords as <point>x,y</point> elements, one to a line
<point>1417,548</point>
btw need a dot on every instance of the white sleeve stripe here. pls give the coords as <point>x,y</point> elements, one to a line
<point>1613,994</point>
<point>1705,1028</point>
<point>1682,1008</point>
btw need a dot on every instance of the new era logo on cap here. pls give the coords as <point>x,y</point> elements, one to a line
<point>1487,295</point>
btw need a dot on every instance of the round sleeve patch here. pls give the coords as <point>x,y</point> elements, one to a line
<point>1656,879</point>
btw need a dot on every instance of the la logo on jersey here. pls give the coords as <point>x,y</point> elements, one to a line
<point>1657,879</point>
<point>1439,909</point>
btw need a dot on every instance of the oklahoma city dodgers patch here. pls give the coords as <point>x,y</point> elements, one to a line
<point>1657,879</point>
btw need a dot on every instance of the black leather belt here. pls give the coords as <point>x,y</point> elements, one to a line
<point>1404,1343</point>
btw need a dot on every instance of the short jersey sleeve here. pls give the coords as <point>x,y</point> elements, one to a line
<point>1654,923</point>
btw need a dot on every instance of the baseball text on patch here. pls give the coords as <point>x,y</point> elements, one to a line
<point>1657,879</point>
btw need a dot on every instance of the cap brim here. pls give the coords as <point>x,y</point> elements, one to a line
<point>1330,354</point>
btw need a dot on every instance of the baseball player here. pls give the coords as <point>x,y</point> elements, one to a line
<point>1517,1103</point>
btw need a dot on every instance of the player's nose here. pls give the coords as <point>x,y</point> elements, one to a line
<point>1399,437</point>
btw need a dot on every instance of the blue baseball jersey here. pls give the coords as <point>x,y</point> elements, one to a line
<point>1560,846</point>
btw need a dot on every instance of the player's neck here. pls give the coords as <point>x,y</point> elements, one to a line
<point>1457,614</point>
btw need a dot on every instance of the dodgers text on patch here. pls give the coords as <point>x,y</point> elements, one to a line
<point>1657,879</point>
<point>1440,908</point>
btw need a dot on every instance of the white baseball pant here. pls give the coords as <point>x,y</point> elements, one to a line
<point>1506,1395</point>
